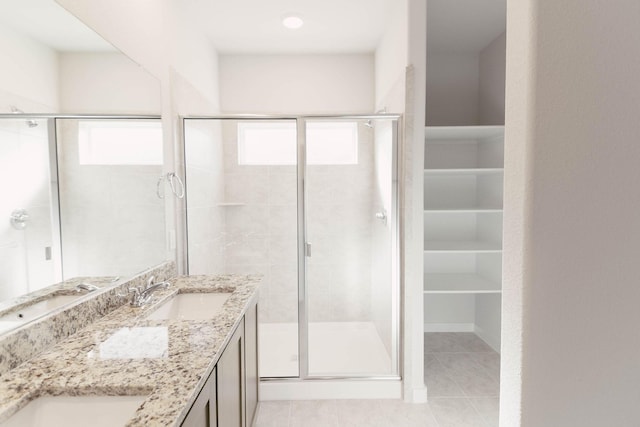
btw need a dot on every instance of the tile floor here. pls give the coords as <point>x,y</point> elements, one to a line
<point>462,375</point>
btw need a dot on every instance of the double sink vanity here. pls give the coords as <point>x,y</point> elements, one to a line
<point>180,351</point>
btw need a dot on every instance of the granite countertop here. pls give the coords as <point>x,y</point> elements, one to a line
<point>124,354</point>
<point>66,288</point>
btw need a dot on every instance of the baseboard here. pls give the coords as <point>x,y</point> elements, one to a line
<point>418,395</point>
<point>330,389</point>
<point>487,338</point>
<point>449,327</point>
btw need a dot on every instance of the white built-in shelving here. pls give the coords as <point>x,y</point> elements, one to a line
<point>460,283</point>
<point>463,182</point>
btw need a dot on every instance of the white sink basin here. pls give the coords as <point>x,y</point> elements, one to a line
<point>33,311</point>
<point>80,411</point>
<point>195,306</point>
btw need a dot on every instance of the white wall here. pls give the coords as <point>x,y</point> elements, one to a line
<point>491,81</point>
<point>400,88</point>
<point>28,75</point>
<point>135,28</point>
<point>391,59</point>
<point>334,84</point>
<point>190,54</point>
<point>452,89</point>
<point>572,229</point>
<point>106,83</point>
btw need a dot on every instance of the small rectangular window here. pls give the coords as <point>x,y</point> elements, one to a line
<point>275,143</point>
<point>121,142</point>
<point>267,143</point>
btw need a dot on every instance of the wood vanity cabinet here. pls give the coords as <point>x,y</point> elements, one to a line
<point>203,412</point>
<point>231,373</point>
<point>229,398</point>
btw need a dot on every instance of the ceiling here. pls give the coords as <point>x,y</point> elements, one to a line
<point>48,23</point>
<point>254,26</point>
<point>464,26</point>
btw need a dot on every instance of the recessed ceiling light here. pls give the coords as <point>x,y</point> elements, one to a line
<point>292,22</point>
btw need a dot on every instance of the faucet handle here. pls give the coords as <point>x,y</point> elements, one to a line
<point>127,291</point>
<point>150,281</point>
<point>137,298</point>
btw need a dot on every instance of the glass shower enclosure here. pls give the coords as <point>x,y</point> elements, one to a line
<point>77,189</point>
<point>310,203</point>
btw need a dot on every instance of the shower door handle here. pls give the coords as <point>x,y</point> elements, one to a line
<point>307,249</point>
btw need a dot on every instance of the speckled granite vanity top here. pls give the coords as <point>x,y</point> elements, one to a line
<point>124,353</point>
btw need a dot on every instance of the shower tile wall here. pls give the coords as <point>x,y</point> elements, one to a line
<point>24,172</point>
<point>105,208</point>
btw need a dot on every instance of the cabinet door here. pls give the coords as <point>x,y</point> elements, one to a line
<point>231,407</point>
<point>200,413</point>
<point>212,385</point>
<point>251,362</point>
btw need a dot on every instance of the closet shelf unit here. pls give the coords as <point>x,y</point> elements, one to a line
<point>463,181</point>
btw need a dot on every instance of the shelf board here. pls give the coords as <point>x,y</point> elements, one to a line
<point>462,246</point>
<point>435,283</point>
<point>462,210</point>
<point>464,171</point>
<point>463,132</point>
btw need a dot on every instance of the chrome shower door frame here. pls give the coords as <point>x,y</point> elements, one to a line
<point>302,237</point>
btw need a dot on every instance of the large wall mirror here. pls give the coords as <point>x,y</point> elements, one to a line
<point>80,161</point>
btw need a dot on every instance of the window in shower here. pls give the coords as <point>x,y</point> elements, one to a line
<point>119,142</point>
<point>269,143</point>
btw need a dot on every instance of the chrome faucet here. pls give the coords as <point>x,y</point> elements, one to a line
<point>86,287</point>
<point>141,296</point>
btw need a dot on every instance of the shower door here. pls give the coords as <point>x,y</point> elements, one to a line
<point>350,233</point>
<point>310,204</point>
<point>29,246</point>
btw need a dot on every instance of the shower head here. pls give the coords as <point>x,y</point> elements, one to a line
<point>30,122</point>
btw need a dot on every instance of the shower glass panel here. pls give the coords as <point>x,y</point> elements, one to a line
<point>29,259</point>
<point>111,195</point>
<point>242,218</point>
<point>311,205</point>
<point>350,216</point>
